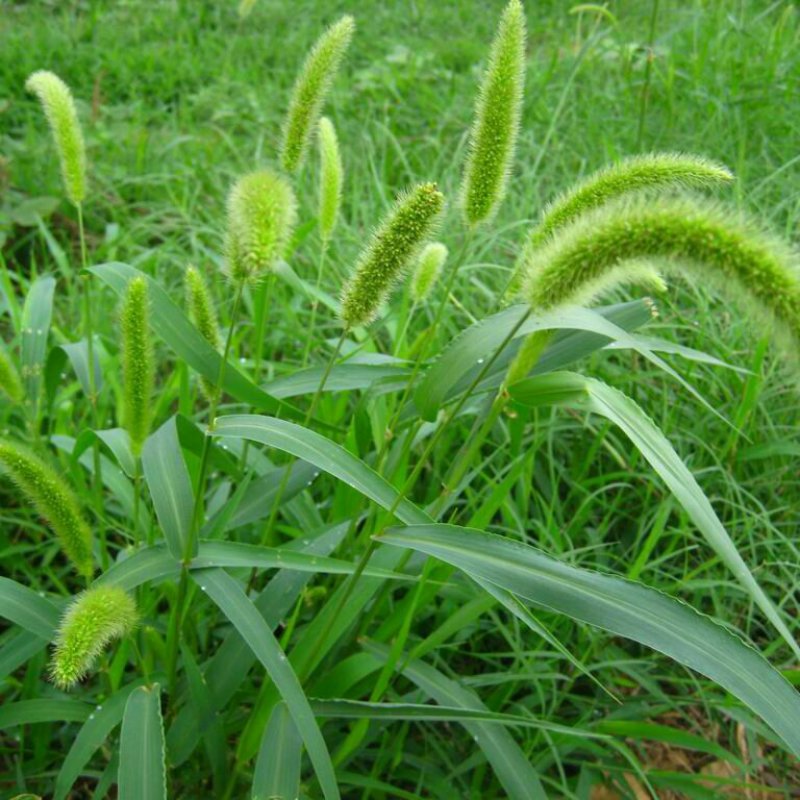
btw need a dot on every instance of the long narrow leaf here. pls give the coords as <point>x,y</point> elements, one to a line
<point>142,769</point>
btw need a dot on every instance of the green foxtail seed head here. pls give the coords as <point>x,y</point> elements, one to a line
<point>392,248</point>
<point>59,108</point>
<point>681,235</point>
<point>90,623</point>
<point>137,362</point>
<point>53,499</point>
<point>10,383</point>
<point>261,216</point>
<point>429,266</point>
<point>654,172</point>
<point>204,317</point>
<point>310,90</point>
<point>497,113</point>
<point>330,180</point>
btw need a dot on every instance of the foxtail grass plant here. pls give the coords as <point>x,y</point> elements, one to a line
<point>311,90</point>
<point>372,548</point>
<point>53,498</point>
<point>91,622</point>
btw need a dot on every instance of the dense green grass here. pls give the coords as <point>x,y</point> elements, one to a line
<point>179,98</point>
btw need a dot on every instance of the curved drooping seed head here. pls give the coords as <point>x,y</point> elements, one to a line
<point>682,235</point>
<point>53,499</point>
<point>137,362</point>
<point>651,173</point>
<point>93,620</point>
<point>204,317</point>
<point>10,383</point>
<point>494,131</point>
<point>429,267</point>
<point>310,90</point>
<point>331,177</point>
<point>59,108</point>
<point>392,248</point>
<point>262,212</point>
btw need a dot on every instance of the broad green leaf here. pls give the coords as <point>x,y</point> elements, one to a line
<point>91,736</point>
<point>173,326</point>
<point>277,772</point>
<point>36,315</point>
<point>423,712</point>
<point>582,331</point>
<point>78,355</point>
<point>53,709</point>
<point>244,616</point>
<point>28,609</point>
<point>620,606</point>
<point>342,378</point>
<point>591,395</point>
<point>509,763</point>
<point>170,486</point>
<point>142,769</point>
<point>146,565</point>
<point>17,647</point>
<point>323,453</point>
<point>118,442</point>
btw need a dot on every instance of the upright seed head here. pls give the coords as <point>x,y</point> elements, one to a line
<point>310,90</point>
<point>53,499</point>
<point>392,248</point>
<point>429,266</point>
<point>204,317</point>
<point>596,252</point>
<point>90,623</point>
<point>137,362</point>
<point>330,180</point>
<point>10,383</point>
<point>262,212</point>
<point>494,131</point>
<point>59,108</point>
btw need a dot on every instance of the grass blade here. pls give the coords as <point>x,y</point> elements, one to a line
<point>623,607</point>
<point>277,773</point>
<point>142,771</point>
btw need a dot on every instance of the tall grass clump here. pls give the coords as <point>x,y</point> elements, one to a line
<point>93,620</point>
<point>51,496</point>
<point>493,137</point>
<point>310,91</point>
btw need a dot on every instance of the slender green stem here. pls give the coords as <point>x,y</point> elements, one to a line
<point>173,634</point>
<point>648,70</point>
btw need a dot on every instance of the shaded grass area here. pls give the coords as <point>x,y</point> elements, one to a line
<point>179,97</point>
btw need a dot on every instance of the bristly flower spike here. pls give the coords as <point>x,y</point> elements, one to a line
<point>204,317</point>
<point>10,383</point>
<point>261,216</point>
<point>310,90</point>
<point>494,131</point>
<point>59,108</point>
<point>330,179</point>
<point>682,235</point>
<point>137,362</point>
<point>392,248</point>
<point>93,620</point>
<point>53,499</point>
<point>429,267</point>
<point>651,173</point>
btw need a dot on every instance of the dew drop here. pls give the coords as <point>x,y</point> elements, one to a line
<point>91,716</point>
<point>480,361</point>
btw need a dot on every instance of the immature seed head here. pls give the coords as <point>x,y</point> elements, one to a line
<point>204,317</point>
<point>494,131</point>
<point>310,90</point>
<point>10,383</point>
<point>53,499</point>
<point>90,623</point>
<point>59,108</point>
<point>330,180</point>
<point>138,368</point>
<point>595,252</point>
<point>429,267</point>
<point>261,216</point>
<point>654,172</point>
<point>392,248</point>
